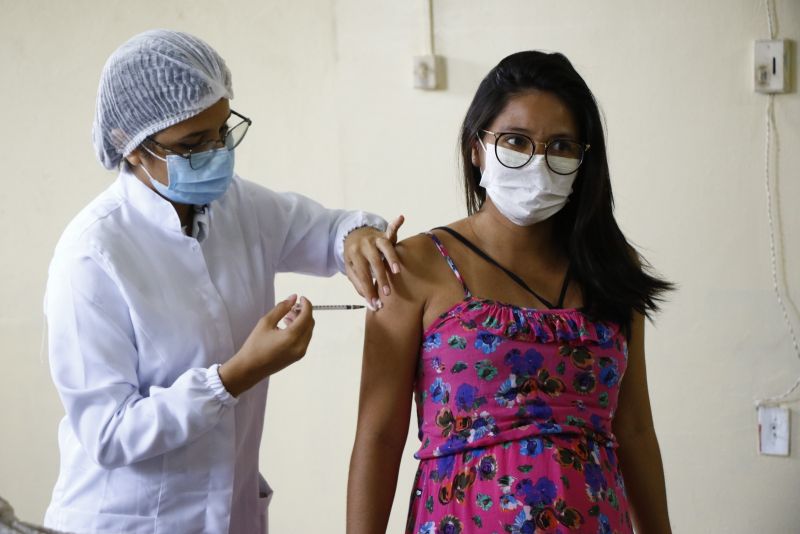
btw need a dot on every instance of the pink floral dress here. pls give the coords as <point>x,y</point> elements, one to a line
<point>515,408</point>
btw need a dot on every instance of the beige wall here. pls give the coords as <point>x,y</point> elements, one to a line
<point>328,86</point>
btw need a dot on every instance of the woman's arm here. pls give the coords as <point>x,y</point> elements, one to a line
<point>302,236</point>
<point>639,455</point>
<point>94,363</point>
<point>391,345</point>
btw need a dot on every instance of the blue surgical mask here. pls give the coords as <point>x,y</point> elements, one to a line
<point>196,186</point>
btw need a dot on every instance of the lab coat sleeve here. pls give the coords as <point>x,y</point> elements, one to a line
<point>93,359</point>
<point>309,237</point>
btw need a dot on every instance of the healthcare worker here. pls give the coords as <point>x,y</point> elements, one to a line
<point>160,300</point>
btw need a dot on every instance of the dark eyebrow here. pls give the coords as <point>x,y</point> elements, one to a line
<point>194,136</point>
<point>514,129</point>
<point>190,137</point>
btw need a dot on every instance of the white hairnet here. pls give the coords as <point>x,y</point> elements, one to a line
<point>155,80</point>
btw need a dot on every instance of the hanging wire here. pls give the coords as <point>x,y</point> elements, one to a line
<point>776,286</point>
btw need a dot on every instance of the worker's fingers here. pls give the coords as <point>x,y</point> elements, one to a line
<point>358,271</point>
<point>273,317</point>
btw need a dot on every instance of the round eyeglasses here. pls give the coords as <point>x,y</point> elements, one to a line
<point>515,150</point>
<point>230,136</point>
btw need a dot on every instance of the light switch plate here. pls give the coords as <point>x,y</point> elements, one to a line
<point>773,430</point>
<point>771,66</point>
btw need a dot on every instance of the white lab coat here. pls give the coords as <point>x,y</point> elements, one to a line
<point>139,316</point>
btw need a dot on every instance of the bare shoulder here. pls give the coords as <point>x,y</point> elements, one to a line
<point>416,252</point>
<point>414,278</point>
<point>425,284</point>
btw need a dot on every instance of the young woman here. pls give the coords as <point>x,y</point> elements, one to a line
<point>161,303</point>
<point>513,329</point>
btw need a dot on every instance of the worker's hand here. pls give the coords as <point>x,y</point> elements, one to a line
<point>368,255</point>
<point>269,348</point>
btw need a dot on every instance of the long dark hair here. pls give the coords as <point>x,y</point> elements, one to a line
<point>614,278</point>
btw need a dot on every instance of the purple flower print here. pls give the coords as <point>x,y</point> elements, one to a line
<point>538,409</point>
<point>594,477</point>
<point>541,493</point>
<point>431,342</point>
<point>609,375</point>
<point>524,365</point>
<point>465,397</point>
<point>440,391</point>
<point>487,342</point>
<point>531,446</point>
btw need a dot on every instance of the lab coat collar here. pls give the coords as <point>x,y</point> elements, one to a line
<point>153,206</point>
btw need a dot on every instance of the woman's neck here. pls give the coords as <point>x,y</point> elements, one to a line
<point>503,240</point>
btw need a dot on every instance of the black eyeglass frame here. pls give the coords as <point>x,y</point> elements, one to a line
<point>584,149</point>
<point>209,145</point>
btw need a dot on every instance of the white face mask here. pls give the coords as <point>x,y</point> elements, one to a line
<point>526,195</point>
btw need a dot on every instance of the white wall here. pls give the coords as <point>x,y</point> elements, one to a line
<point>328,87</point>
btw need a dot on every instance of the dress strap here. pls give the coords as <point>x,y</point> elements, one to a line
<point>450,262</point>
<point>519,281</point>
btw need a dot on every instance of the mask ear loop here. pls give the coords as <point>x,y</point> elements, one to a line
<point>480,141</point>
<point>153,180</point>
<point>483,146</point>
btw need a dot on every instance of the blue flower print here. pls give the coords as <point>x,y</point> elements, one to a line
<point>522,524</point>
<point>482,426</point>
<point>540,494</point>
<point>538,409</point>
<point>531,446</point>
<point>609,375</point>
<point>612,456</point>
<point>427,528</point>
<point>487,342</point>
<point>444,466</point>
<point>594,478</point>
<point>509,502</point>
<point>507,393</point>
<point>597,423</point>
<point>450,525</point>
<point>604,527</point>
<point>524,365</point>
<point>572,331</point>
<point>431,342</point>
<point>453,444</point>
<point>436,365</point>
<point>540,330</point>
<point>548,427</point>
<point>465,397</point>
<point>603,336</point>
<point>487,468</point>
<point>440,391</point>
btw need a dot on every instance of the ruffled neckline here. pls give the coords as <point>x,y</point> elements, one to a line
<point>523,323</point>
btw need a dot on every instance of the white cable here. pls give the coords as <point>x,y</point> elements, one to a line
<point>773,255</point>
<point>770,25</point>
<point>429,42</point>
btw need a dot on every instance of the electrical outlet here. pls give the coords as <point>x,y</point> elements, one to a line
<point>771,66</point>
<point>426,72</point>
<point>773,430</point>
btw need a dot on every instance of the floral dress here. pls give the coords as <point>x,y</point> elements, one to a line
<point>514,408</point>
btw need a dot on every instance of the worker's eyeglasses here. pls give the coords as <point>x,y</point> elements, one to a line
<point>563,156</point>
<point>231,135</point>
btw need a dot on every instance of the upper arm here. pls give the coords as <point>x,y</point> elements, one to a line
<point>93,356</point>
<point>391,347</point>
<point>300,234</point>
<point>633,414</point>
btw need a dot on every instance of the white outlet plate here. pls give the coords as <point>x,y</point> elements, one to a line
<point>426,72</point>
<point>771,66</point>
<point>773,430</point>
